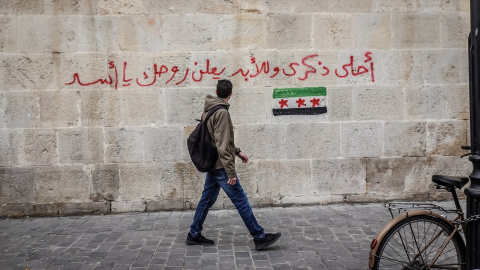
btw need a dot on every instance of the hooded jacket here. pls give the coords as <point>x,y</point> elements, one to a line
<point>220,128</point>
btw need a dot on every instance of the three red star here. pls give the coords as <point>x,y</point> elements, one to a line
<point>301,102</point>
<point>315,102</point>
<point>283,103</point>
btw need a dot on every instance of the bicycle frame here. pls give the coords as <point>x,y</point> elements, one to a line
<point>389,225</point>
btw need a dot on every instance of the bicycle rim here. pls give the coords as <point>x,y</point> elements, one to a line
<point>416,243</point>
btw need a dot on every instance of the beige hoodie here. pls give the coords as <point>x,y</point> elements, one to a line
<point>221,132</point>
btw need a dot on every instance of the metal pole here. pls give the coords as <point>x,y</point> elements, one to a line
<point>473,192</point>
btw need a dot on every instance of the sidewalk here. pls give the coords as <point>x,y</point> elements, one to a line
<point>313,237</point>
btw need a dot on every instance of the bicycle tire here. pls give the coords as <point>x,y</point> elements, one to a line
<point>408,237</point>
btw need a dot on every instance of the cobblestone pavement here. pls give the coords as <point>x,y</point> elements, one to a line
<point>313,237</point>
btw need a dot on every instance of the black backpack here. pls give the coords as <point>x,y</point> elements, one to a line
<point>203,153</point>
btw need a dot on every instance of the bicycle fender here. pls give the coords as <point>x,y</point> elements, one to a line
<point>389,225</point>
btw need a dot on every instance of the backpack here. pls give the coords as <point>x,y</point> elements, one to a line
<point>202,152</point>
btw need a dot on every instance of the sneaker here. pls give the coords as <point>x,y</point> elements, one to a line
<point>199,240</point>
<point>266,241</point>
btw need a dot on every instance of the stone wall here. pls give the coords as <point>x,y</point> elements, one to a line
<point>97,98</point>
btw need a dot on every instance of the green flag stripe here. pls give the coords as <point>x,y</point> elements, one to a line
<point>299,92</point>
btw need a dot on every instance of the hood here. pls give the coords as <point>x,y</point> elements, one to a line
<point>212,101</point>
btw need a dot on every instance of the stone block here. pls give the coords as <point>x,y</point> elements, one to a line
<point>84,70</point>
<point>40,147</point>
<point>190,32</point>
<point>164,205</point>
<point>56,109</point>
<point>67,7</point>
<point>2,109</point>
<point>143,107</point>
<point>98,34</point>
<point>386,175</point>
<point>125,207</point>
<point>17,185</point>
<point>183,107</point>
<point>315,68</point>
<point>299,6</point>
<point>440,66</point>
<point>347,6</point>
<point>119,7</point>
<point>140,33</point>
<point>80,145</point>
<point>105,182</point>
<point>47,33</point>
<point>62,184</point>
<point>339,176</point>
<point>8,41</point>
<point>365,63</point>
<point>394,6</point>
<point>437,6</point>
<point>231,7</point>
<point>21,7</point>
<point>27,71</point>
<point>425,102</point>
<point>243,31</point>
<point>373,31</point>
<point>464,69</point>
<point>162,144</point>
<point>340,103</point>
<point>101,108</point>
<point>123,145</point>
<point>362,139</point>
<point>19,112</point>
<point>248,108</point>
<point>193,181</point>
<point>378,103</point>
<point>458,102</point>
<point>84,208</point>
<point>306,141</point>
<point>405,139</point>
<point>415,30</point>
<point>285,34</point>
<point>155,7</point>
<point>445,138</point>
<point>9,147</point>
<point>339,28</point>
<point>455,29</point>
<point>262,141</point>
<point>400,67</point>
<point>464,5</point>
<point>16,210</point>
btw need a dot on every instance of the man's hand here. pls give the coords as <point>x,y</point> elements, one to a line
<point>244,157</point>
<point>232,181</point>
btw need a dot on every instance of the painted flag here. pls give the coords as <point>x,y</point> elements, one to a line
<point>301,101</point>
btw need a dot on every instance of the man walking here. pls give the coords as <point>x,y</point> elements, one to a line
<point>223,174</point>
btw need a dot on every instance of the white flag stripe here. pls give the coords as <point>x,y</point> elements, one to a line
<point>292,102</point>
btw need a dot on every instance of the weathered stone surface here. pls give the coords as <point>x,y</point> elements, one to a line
<point>190,32</point>
<point>17,185</point>
<point>143,107</point>
<point>339,176</point>
<point>394,6</point>
<point>399,67</point>
<point>119,7</point>
<point>378,103</point>
<point>162,144</point>
<point>98,34</point>
<point>285,34</point>
<point>386,175</point>
<point>101,108</point>
<point>128,206</point>
<point>405,139</point>
<point>340,103</point>
<point>306,141</point>
<point>415,30</point>
<point>254,29</point>
<point>84,69</point>
<point>344,6</point>
<point>440,66</point>
<point>84,208</point>
<point>19,111</point>
<point>8,41</point>
<point>155,7</point>
<point>61,184</point>
<point>299,6</point>
<point>27,71</point>
<point>140,33</point>
<point>9,147</point>
<point>262,141</point>
<point>458,106</point>
<point>67,7</point>
<point>362,139</point>
<point>248,108</point>
<point>455,28</point>
<point>445,138</point>
<point>373,31</point>
<point>2,109</point>
<point>56,109</point>
<point>338,27</point>
<point>438,6</point>
<point>123,145</point>
<point>80,145</point>
<point>21,7</point>
<point>164,205</point>
<point>233,7</point>
<point>40,147</point>
<point>425,102</point>
<point>183,107</point>
<point>47,34</point>
<point>14,210</point>
<point>105,182</point>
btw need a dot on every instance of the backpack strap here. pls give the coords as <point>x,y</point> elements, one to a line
<point>213,110</point>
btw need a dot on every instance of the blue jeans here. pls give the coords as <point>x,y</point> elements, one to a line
<point>215,180</point>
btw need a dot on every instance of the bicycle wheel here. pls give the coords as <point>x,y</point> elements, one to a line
<point>415,242</point>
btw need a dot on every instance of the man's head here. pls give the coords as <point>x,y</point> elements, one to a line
<point>224,88</point>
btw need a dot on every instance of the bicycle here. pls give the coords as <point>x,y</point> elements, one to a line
<point>421,239</point>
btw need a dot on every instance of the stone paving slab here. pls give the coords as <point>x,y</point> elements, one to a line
<point>313,237</point>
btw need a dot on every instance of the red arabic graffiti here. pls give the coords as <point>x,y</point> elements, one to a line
<point>304,69</point>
